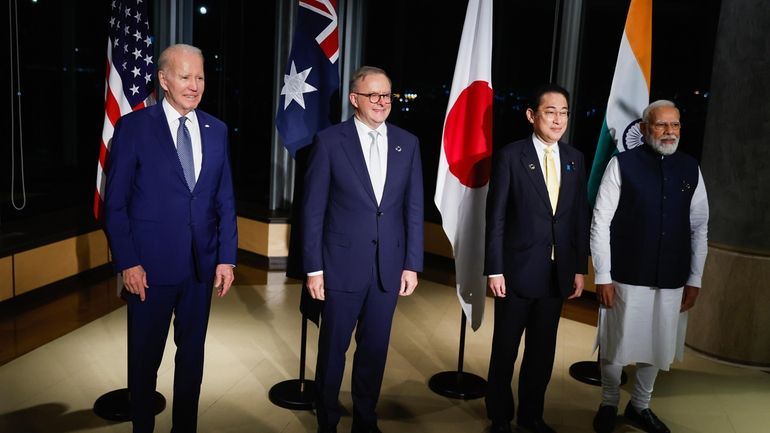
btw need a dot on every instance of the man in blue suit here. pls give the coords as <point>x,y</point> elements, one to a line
<point>170,220</point>
<point>536,255</point>
<point>363,244</point>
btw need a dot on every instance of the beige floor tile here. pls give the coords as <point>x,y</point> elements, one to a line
<point>254,343</point>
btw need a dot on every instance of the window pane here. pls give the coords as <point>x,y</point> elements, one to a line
<point>418,48</point>
<point>238,41</point>
<point>61,51</point>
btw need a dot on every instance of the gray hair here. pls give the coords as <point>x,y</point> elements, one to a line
<point>165,56</point>
<point>362,73</point>
<point>655,105</point>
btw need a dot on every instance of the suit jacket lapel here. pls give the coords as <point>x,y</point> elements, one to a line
<point>568,179</point>
<point>351,145</point>
<point>166,141</point>
<point>531,165</point>
<point>206,141</point>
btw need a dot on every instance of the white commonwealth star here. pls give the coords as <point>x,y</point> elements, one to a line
<point>294,86</point>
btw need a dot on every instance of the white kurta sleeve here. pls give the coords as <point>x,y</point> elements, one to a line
<point>604,210</point>
<point>699,218</point>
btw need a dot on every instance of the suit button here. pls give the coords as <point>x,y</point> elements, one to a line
<point>379,213</point>
<point>374,242</point>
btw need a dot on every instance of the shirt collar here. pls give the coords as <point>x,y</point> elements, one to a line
<point>540,145</point>
<point>173,116</point>
<point>364,130</point>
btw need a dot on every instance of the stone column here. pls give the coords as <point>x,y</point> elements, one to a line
<point>731,319</point>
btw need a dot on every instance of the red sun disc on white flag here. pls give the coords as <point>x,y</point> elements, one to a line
<point>468,135</point>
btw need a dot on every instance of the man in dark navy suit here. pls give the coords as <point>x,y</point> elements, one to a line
<point>170,220</point>
<point>536,255</point>
<point>363,243</point>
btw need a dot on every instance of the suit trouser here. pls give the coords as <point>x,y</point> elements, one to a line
<point>370,312</point>
<point>149,321</point>
<point>540,318</point>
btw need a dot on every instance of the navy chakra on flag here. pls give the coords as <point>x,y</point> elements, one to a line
<point>632,135</point>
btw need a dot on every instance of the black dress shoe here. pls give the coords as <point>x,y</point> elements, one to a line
<point>645,419</point>
<point>327,430</point>
<point>604,420</point>
<point>500,427</point>
<point>535,426</point>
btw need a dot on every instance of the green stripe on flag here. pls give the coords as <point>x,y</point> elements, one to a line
<point>605,149</point>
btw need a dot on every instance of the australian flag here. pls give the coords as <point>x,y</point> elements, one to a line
<point>312,77</point>
<point>309,85</point>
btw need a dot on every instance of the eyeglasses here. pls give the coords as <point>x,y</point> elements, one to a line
<point>376,97</point>
<point>552,114</point>
<point>662,126</point>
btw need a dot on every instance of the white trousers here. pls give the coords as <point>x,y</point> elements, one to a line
<point>644,326</point>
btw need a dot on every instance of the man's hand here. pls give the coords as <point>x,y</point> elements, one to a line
<point>223,279</point>
<point>605,294</point>
<point>496,285</point>
<point>408,283</point>
<point>578,286</point>
<point>135,281</point>
<point>688,297</point>
<point>315,286</point>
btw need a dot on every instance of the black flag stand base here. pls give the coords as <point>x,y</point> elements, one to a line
<point>116,405</point>
<point>296,394</point>
<point>458,384</point>
<point>591,373</point>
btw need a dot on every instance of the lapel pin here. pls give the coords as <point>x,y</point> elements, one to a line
<point>398,148</point>
<point>206,125</point>
<point>570,165</point>
<point>532,166</point>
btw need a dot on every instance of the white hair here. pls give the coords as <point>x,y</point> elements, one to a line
<point>655,105</point>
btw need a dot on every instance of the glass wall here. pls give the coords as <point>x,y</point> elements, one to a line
<point>51,145</point>
<point>238,40</point>
<point>683,35</point>
<point>62,70</point>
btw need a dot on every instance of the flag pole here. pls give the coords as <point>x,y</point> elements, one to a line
<point>295,394</point>
<point>458,384</point>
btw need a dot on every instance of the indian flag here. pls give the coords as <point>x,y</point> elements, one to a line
<point>629,94</point>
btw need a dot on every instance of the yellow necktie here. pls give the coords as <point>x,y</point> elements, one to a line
<point>551,180</point>
<point>552,184</point>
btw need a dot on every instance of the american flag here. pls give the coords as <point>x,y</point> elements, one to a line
<point>130,72</point>
<point>312,78</point>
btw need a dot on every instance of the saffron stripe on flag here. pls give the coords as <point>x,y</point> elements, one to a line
<point>629,93</point>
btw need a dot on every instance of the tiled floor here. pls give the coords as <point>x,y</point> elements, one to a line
<point>253,343</point>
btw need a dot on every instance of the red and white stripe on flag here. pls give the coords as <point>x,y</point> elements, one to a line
<point>465,163</point>
<point>129,79</point>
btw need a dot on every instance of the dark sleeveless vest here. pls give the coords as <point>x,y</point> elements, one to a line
<point>650,232</point>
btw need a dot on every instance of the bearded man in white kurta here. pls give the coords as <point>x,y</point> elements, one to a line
<point>648,244</point>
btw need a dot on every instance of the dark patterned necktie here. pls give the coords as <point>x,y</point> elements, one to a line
<point>184,150</point>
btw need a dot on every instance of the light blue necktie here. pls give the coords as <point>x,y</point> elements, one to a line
<point>184,151</point>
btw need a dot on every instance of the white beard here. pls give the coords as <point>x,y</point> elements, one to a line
<point>660,147</point>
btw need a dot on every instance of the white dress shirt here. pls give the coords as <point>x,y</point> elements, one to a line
<point>382,144</point>
<point>607,200</point>
<point>172,117</point>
